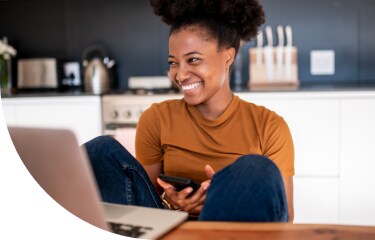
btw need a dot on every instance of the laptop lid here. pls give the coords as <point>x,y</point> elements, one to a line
<point>55,160</point>
<point>61,168</point>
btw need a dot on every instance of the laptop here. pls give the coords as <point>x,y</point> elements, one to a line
<point>62,169</point>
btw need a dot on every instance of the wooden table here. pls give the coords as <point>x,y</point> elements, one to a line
<point>268,231</point>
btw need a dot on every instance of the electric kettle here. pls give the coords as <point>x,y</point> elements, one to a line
<point>97,70</point>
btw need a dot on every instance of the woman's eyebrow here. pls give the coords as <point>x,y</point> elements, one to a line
<point>187,54</point>
<point>194,52</point>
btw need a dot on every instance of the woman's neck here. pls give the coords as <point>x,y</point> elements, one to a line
<point>216,106</point>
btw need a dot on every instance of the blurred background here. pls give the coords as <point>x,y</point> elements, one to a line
<point>138,40</point>
<point>93,66</point>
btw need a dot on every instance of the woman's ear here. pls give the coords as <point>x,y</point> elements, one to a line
<point>230,54</point>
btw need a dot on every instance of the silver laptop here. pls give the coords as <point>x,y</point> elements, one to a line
<point>61,167</point>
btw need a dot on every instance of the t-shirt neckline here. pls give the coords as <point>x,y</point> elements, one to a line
<point>214,122</point>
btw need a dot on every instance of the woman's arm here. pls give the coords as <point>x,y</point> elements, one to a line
<point>153,172</point>
<point>288,183</point>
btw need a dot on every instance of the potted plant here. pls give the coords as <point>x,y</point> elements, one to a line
<point>6,52</point>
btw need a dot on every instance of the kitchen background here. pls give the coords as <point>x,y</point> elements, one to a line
<point>328,127</point>
<point>138,41</point>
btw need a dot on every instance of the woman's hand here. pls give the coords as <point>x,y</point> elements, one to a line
<point>182,200</point>
<point>209,171</point>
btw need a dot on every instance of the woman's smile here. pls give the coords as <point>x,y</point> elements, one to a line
<point>190,87</point>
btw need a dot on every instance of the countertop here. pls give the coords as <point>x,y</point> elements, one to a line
<point>47,94</point>
<point>304,88</point>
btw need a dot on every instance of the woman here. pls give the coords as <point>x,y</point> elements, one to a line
<point>241,153</point>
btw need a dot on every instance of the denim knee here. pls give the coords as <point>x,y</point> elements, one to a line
<point>120,177</point>
<point>256,164</point>
<point>103,148</point>
<point>250,189</point>
<point>98,144</point>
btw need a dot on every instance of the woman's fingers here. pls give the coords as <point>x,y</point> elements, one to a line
<point>188,203</point>
<point>177,199</point>
<point>209,171</point>
<point>166,186</point>
<point>197,209</point>
<point>184,199</point>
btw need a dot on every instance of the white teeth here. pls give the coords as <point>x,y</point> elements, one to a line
<point>191,86</point>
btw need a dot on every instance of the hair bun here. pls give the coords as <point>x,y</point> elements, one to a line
<point>244,15</point>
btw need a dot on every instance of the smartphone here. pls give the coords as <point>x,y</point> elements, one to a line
<point>180,183</point>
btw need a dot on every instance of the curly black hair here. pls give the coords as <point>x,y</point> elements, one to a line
<point>227,21</point>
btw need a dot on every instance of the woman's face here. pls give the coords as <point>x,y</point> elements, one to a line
<point>198,67</point>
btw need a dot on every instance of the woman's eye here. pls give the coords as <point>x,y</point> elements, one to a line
<point>192,60</point>
<point>171,63</point>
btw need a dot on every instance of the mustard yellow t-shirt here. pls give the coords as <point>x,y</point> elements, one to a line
<point>175,133</point>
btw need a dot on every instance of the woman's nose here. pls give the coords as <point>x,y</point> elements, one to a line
<point>182,73</point>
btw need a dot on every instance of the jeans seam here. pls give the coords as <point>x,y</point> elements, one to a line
<point>128,192</point>
<point>144,181</point>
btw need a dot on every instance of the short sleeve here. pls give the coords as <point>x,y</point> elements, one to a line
<point>278,145</point>
<point>147,141</point>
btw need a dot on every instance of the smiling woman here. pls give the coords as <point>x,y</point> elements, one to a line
<point>241,154</point>
<point>200,69</point>
<point>204,40</point>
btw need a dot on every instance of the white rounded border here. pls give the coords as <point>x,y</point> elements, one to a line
<point>27,211</point>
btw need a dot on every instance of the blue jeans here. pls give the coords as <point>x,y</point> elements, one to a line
<point>251,189</point>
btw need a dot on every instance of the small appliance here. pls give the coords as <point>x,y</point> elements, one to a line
<point>37,73</point>
<point>97,70</point>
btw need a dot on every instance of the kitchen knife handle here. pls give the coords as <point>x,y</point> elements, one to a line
<point>269,36</point>
<point>289,36</point>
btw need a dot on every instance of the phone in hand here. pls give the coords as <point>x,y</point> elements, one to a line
<point>180,183</point>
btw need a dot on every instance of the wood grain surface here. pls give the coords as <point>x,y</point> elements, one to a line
<point>265,231</point>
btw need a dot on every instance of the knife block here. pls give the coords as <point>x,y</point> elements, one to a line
<point>277,77</point>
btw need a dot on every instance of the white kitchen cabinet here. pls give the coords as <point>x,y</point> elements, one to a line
<point>313,120</point>
<point>357,190</point>
<point>316,200</point>
<point>314,125</point>
<point>81,114</point>
<point>9,114</point>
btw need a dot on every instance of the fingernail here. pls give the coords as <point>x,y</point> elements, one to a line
<point>189,190</point>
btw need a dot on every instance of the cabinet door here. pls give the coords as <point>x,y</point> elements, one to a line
<point>316,200</point>
<point>9,112</point>
<point>314,125</point>
<point>82,115</point>
<point>358,162</point>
